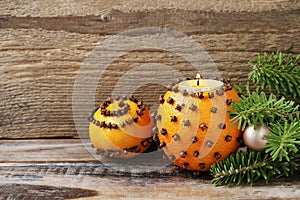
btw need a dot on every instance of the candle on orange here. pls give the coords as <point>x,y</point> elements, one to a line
<point>194,126</point>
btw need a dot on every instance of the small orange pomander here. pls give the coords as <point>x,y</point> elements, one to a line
<point>121,127</point>
<point>193,124</point>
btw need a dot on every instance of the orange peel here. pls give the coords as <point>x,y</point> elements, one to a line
<point>121,127</point>
<point>194,129</point>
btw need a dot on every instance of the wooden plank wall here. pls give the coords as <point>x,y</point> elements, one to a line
<point>43,44</point>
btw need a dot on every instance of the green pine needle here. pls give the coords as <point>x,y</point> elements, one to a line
<point>257,109</point>
<point>281,157</point>
<point>281,74</point>
<point>242,167</point>
<point>249,167</point>
<point>284,140</point>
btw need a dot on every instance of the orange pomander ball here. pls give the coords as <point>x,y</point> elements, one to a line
<point>121,127</point>
<point>194,128</point>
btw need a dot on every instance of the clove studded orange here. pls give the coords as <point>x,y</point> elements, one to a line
<point>193,124</point>
<point>121,127</point>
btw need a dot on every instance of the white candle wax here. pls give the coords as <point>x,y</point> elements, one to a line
<point>204,85</point>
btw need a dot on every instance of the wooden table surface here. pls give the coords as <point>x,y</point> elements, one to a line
<point>48,169</point>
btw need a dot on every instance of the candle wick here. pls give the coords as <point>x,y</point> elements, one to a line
<point>198,76</point>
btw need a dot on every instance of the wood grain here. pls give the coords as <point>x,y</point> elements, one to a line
<point>28,191</point>
<point>70,150</point>
<point>58,150</point>
<point>185,21</point>
<point>40,8</point>
<point>110,187</point>
<point>60,168</point>
<point>41,55</point>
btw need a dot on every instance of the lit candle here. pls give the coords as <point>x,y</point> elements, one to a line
<point>200,85</point>
<point>193,124</point>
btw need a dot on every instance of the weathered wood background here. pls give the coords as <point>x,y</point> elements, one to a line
<point>42,47</point>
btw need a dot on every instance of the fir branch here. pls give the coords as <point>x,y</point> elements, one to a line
<point>249,167</point>
<point>281,74</point>
<point>284,140</point>
<point>281,157</point>
<point>258,109</point>
<point>242,167</point>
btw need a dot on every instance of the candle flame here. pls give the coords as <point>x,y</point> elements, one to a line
<point>198,76</point>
